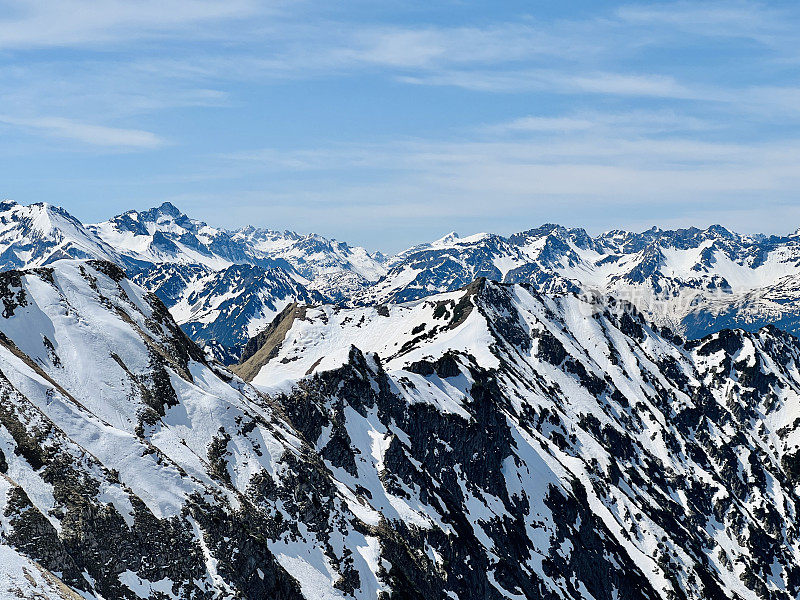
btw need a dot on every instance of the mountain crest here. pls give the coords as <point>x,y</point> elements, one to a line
<point>447,239</point>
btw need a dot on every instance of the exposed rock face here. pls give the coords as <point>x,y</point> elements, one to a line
<point>132,468</point>
<point>265,346</point>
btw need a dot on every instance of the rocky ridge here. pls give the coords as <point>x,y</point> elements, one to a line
<point>550,434</point>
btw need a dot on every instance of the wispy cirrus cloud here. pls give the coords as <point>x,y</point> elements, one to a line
<point>755,20</point>
<point>631,122</point>
<point>58,23</point>
<point>95,135</point>
<point>561,81</point>
<point>585,159</point>
<point>438,47</point>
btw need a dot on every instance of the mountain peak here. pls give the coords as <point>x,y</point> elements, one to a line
<point>720,231</point>
<point>448,239</point>
<point>169,209</point>
<point>548,228</point>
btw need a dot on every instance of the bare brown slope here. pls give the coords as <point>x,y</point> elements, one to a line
<point>265,345</point>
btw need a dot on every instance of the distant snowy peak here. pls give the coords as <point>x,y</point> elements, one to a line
<point>165,235</point>
<point>449,241</point>
<point>221,285</point>
<point>453,262</point>
<point>312,255</point>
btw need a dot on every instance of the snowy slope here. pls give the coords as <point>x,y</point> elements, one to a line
<point>40,233</point>
<point>489,442</point>
<point>132,468</point>
<point>556,444</point>
<point>777,304</point>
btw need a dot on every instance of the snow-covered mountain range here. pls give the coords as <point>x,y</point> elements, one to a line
<point>694,281</point>
<point>224,286</point>
<point>395,427</point>
<point>490,442</point>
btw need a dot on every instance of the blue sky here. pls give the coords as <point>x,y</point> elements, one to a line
<point>389,123</point>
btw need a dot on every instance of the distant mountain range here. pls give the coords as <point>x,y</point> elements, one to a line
<point>694,281</point>
<point>224,286</point>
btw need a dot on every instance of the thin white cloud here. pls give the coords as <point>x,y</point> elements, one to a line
<point>727,19</point>
<point>48,23</point>
<point>563,82</point>
<point>542,124</point>
<point>95,135</point>
<point>627,85</point>
<point>632,122</point>
<point>436,47</point>
<point>322,49</point>
<point>597,166</point>
<point>753,25</point>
